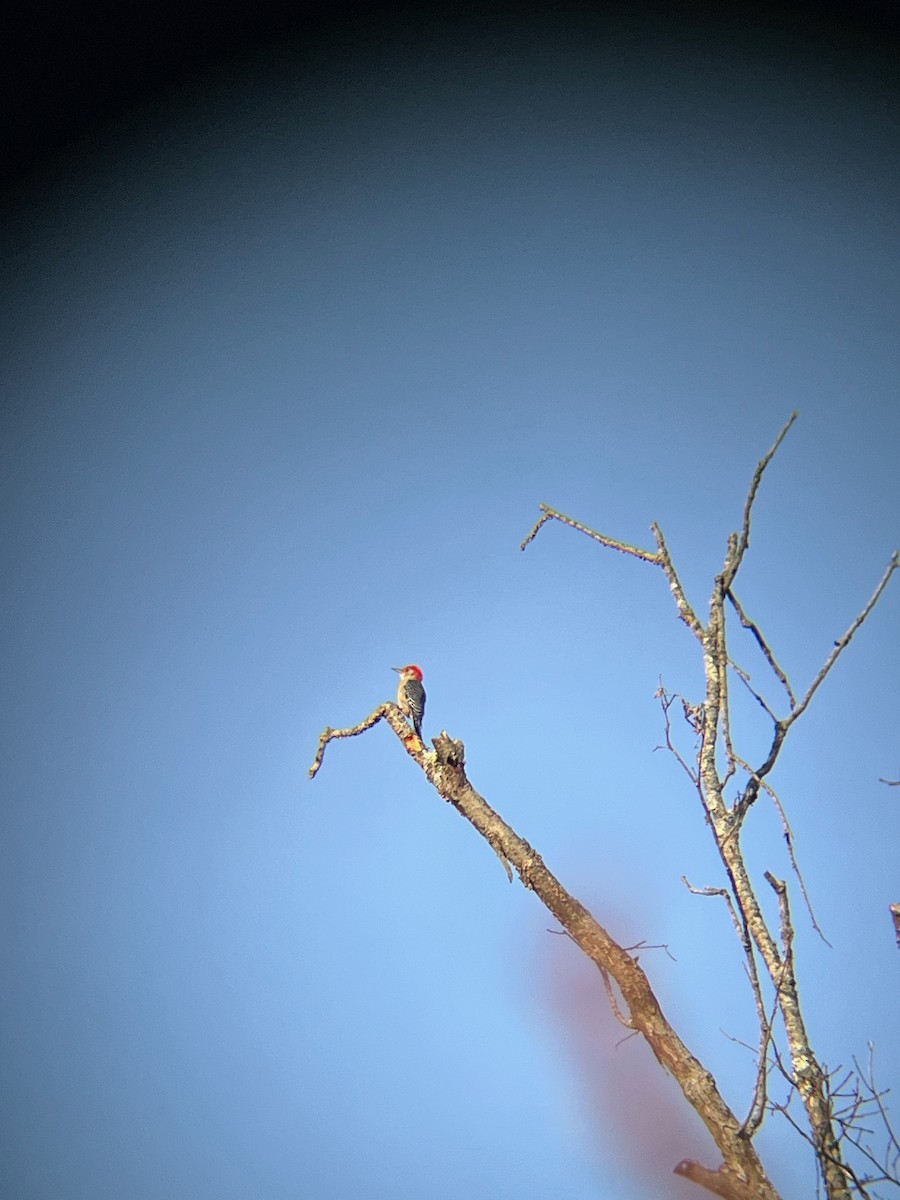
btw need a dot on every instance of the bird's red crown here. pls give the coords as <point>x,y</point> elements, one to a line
<point>412,669</point>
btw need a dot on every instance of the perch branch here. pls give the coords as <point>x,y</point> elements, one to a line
<point>445,770</point>
<point>384,712</point>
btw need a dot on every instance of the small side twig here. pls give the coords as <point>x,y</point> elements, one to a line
<point>384,712</point>
<point>783,725</point>
<point>551,514</point>
<point>659,558</point>
<point>789,842</point>
<point>666,701</point>
<point>842,643</point>
<point>764,647</point>
<point>754,1117</point>
<point>744,539</point>
<point>745,679</point>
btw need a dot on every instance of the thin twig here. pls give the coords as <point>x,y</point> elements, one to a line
<point>877,1096</point>
<point>842,643</point>
<point>329,734</point>
<point>659,558</point>
<point>789,841</point>
<point>754,1117</point>
<point>551,514</point>
<point>384,712</point>
<point>783,725</point>
<point>725,698</point>
<point>745,679</point>
<point>666,701</point>
<point>757,1109</point>
<point>764,647</point>
<point>744,540</point>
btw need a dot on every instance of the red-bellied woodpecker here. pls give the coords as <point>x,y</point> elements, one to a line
<point>411,696</point>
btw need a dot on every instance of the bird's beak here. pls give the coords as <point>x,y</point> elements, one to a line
<point>399,670</point>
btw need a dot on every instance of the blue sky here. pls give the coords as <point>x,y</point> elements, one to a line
<point>292,357</point>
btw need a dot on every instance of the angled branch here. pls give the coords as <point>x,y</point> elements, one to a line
<point>789,842</point>
<point>551,514</point>
<point>783,724</point>
<point>744,537</point>
<point>745,679</point>
<point>843,643</point>
<point>384,712</point>
<point>691,716</point>
<point>764,646</point>
<point>660,558</point>
<point>445,770</point>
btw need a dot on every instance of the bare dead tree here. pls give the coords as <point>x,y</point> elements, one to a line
<point>728,787</point>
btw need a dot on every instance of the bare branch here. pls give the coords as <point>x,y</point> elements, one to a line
<point>685,611</point>
<point>783,725</point>
<point>660,558</point>
<point>725,701</point>
<point>789,842</point>
<point>745,679</point>
<point>757,776</point>
<point>895,917</point>
<point>754,1117</point>
<point>863,1102</point>
<point>542,520</point>
<point>810,1078</point>
<point>550,514</point>
<point>666,701</point>
<point>760,1093</point>
<point>445,770</point>
<point>764,646</point>
<point>744,539</point>
<point>721,1182</point>
<point>842,643</point>
<point>892,1153</point>
<point>384,712</point>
